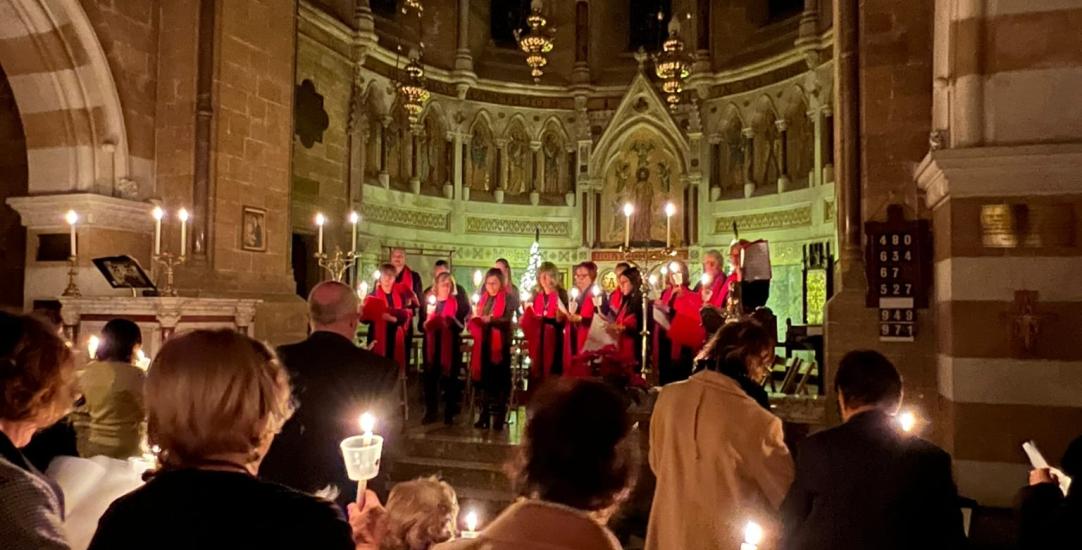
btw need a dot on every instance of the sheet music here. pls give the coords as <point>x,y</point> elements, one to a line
<point>661,318</point>
<point>755,261</point>
<point>1037,460</point>
<point>598,337</point>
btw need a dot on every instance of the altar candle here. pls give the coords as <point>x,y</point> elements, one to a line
<point>320,220</point>
<point>629,209</point>
<point>471,526</point>
<point>71,217</point>
<point>183,215</point>
<point>368,423</point>
<point>670,209</point>
<point>353,219</point>
<point>753,536</point>
<point>158,213</point>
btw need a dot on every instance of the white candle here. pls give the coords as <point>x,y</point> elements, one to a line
<point>362,289</point>
<point>574,298</point>
<point>320,220</point>
<point>376,274</point>
<point>431,304</point>
<point>368,423</point>
<point>71,217</point>
<point>753,536</point>
<point>183,215</point>
<point>158,213</point>
<point>353,219</point>
<point>705,280</point>
<point>476,298</point>
<point>471,526</point>
<point>478,278</point>
<point>652,279</point>
<point>907,421</point>
<point>628,210</point>
<point>670,209</point>
<point>92,346</point>
<point>596,290</point>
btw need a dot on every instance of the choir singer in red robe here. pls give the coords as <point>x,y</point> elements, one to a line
<point>714,286</point>
<point>628,321</point>
<point>544,321</point>
<point>388,316</point>
<point>490,360</point>
<point>586,299</point>
<point>445,318</point>
<point>680,336</point>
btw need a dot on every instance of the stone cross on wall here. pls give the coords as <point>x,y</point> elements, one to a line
<point>1025,322</point>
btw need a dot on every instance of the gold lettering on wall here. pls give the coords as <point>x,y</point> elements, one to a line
<point>1027,225</point>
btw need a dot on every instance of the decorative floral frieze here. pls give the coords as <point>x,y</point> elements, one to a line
<point>778,219</point>
<point>389,215</point>
<point>504,226</point>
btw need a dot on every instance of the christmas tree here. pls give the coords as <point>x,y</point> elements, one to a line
<point>529,277</point>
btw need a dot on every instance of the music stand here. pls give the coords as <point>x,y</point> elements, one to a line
<point>125,272</point>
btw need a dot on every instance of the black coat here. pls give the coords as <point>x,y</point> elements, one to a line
<point>333,381</point>
<point>865,485</point>
<point>1047,519</point>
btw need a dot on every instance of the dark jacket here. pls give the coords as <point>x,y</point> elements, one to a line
<point>333,381</point>
<point>1047,519</point>
<point>866,485</point>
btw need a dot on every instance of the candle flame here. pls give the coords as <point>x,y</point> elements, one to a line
<point>525,296</point>
<point>71,217</point>
<point>354,217</point>
<point>158,213</point>
<point>183,215</point>
<point>705,279</point>
<point>362,289</point>
<point>674,267</point>
<point>653,280</point>
<point>575,293</point>
<point>471,521</point>
<point>753,533</point>
<point>320,219</point>
<point>596,290</point>
<point>92,345</point>
<point>376,274</point>
<point>478,277</point>
<point>476,298</point>
<point>368,422</point>
<point>907,420</point>
<point>670,209</point>
<point>629,209</point>
<point>431,299</point>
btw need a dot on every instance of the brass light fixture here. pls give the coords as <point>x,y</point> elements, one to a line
<point>412,5</point>
<point>535,40</point>
<point>672,65</point>
<point>412,88</point>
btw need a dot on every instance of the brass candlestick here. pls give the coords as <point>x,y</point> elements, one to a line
<point>73,270</point>
<point>168,262</point>
<point>337,265</point>
<point>651,258</point>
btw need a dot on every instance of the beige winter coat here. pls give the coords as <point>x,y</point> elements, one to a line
<point>538,525</point>
<point>720,461</point>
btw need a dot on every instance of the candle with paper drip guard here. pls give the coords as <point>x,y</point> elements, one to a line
<point>431,308</point>
<point>362,455</point>
<point>704,283</point>
<point>72,218</point>
<point>471,525</point>
<point>629,209</point>
<point>753,536</point>
<point>573,305</point>
<point>670,210</point>
<point>596,291</point>
<point>362,290</point>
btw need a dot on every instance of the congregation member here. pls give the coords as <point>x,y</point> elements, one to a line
<point>419,514</point>
<point>490,359</point>
<point>445,319</point>
<point>866,483</point>
<point>628,319</point>
<point>37,388</point>
<point>388,313</point>
<point>1046,517</point>
<point>333,381</point>
<point>544,322</point>
<point>719,458</point>
<point>616,296</point>
<point>574,468</point>
<point>675,347</point>
<point>583,305</point>
<point>112,386</point>
<point>215,400</point>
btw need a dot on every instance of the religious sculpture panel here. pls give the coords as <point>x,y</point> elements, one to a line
<point>432,160</point>
<point>555,155</point>
<point>482,161</point>
<point>519,178</point>
<point>646,173</point>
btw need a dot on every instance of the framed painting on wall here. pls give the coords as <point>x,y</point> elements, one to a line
<point>253,229</point>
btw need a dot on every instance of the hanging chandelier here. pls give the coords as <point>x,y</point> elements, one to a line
<point>412,5</point>
<point>412,89</point>
<point>535,40</point>
<point>672,66</point>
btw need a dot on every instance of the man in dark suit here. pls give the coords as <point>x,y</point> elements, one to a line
<point>334,381</point>
<point>867,484</point>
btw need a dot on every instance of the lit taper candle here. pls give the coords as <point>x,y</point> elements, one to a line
<point>72,218</point>
<point>629,209</point>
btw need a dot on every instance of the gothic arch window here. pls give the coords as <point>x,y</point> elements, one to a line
<point>645,30</point>
<point>505,17</point>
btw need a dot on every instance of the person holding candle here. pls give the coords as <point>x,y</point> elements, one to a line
<point>628,320</point>
<point>714,285</point>
<point>544,320</point>
<point>419,514</point>
<point>445,318</point>
<point>584,304</point>
<point>388,311</point>
<point>676,346</point>
<point>490,358</point>
<point>718,456</point>
<point>431,377</point>
<point>867,483</point>
<point>616,296</point>
<point>113,389</point>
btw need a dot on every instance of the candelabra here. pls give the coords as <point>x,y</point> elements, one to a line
<point>649,259</point>
<point>168,262</point>
<point>73,270</point>
<point>338,264</point>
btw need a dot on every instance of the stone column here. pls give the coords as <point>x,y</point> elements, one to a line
<point>538,165</point>
<point>467,168</point>
<point>828,131</point>
<point>502,169</point>
<point>969,49</point>
<point>384,177</point>
<point>816,176</point>
<point>457,163</point>
<point>463,59</point>
<point>580,74</point>
<point>783,154</point>
<point>749,161</point>
<point>415,161</point>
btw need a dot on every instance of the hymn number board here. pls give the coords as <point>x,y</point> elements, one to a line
<point>898,266</point>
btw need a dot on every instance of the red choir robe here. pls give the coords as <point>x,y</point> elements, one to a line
<point>578,332</point>
<point>495,347</point>
<point>390,338</point>
<point>442,332</point>
<point>685,327</point>
<point>615,299</point>
<point>629,344</point>
<point>719,290</point>
<point>550,351</point>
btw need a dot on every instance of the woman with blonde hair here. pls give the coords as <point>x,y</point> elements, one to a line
<point>215,401</point>
<point>37,380</point>
<point>544,320</point>
<point>419,514</point>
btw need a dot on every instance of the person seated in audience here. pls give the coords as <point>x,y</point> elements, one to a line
<point>866,483</point>
<point>215,400</point>
<point>1046,517</point>
<point>37,388</point>
<point>113,388</point>
<point>419,514</point>
<point>719,457</point>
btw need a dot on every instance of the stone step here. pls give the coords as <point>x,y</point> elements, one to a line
<point>461,474</point>
<point>439,446</point>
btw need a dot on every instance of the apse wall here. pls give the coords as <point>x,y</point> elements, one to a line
<point>492,162</point>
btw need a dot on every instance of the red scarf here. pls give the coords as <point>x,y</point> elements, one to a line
<point>577,333</point>
<point>540,344</point>
<point>438,326</point>
<point>685,325</point>
<point>615,299</point>
<point>477,330</point>
<point>404,282</point>
<point>626,343</point>
<point>719,290</point>
<point>380,326</point>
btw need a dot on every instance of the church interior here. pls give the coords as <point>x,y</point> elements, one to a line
<point>915,168</point>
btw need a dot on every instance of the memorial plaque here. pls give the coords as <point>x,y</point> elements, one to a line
<point>1027,225</point>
